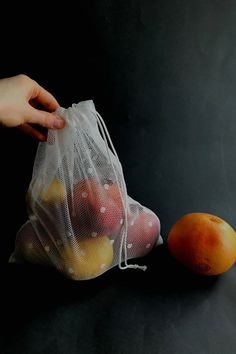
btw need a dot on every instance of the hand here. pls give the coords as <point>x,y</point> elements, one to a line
<point>19,97</point>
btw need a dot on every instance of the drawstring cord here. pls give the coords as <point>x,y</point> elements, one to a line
<point>123,194</point>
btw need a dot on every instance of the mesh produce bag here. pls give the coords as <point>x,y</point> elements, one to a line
<point>81,219</point>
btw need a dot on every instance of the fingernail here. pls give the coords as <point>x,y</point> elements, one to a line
<point>58,123</point>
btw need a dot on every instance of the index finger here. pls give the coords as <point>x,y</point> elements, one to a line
<point>45,98</point>
<point>28,129</point>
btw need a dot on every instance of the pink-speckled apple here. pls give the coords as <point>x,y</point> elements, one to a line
<point>86,259</point>
<point>30,248</point>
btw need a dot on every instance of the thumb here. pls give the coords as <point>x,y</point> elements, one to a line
<point>45,119</point>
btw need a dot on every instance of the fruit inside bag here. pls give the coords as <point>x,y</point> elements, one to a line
<point>81,219</point>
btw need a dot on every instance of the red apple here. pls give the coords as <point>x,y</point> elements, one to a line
<point>143,232</point>
<point>96,207</point>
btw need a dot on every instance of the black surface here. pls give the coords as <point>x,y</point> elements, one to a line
<point>164,310</point>
<point>162,74</point>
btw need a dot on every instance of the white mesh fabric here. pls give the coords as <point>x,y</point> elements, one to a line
<point>81,219</point>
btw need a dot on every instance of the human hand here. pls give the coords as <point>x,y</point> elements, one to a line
<point>19,98</point>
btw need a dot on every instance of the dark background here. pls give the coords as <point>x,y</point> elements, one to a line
<point>163,76</point>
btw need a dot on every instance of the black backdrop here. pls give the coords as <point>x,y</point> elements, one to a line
<point>163,76</point>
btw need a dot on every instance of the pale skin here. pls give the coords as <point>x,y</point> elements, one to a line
<point>19,98</point>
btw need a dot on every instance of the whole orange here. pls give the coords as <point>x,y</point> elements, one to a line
<point>203,242</point>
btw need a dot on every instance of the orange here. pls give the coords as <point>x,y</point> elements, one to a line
<point>203,242</point>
